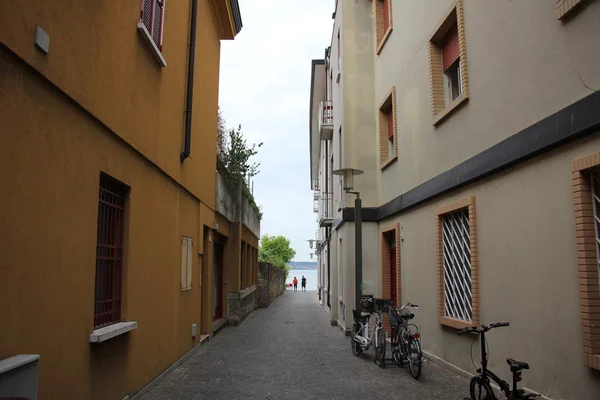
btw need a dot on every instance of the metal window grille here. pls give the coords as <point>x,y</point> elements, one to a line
<point>109,251</point>
<point>152,15</point>
<point>456,242</point>
<point>595,178</point>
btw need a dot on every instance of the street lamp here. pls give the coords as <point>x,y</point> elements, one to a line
<point>310,243</point>
<point>348,186</point>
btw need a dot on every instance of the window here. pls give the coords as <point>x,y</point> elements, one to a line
<point>458,265</point>
<point>564,8</point>
<point>383,22</point>
<point>389,116</point>
<point>388,138</point>
<point>151,27</point>
<point>339,61</point>
<point>451,65</point>
<point>586,204</point>
<point>109,251</point>
<point>187,245</point>
<point>152,16</point>
<point>448,78</point>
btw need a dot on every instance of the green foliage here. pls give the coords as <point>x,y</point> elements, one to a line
<point>236,158</point>
<point>276,250</point>
<point>233,160</point>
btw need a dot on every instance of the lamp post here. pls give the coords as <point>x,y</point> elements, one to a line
<point>348,186</point>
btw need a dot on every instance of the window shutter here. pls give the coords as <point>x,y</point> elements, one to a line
<point>190,246</point>
<point>450,50</point>
<point>386,15</point>
<point>184,260</point>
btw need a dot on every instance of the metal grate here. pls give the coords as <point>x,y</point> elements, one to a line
<point>456,242</point>
<point>595,178</point>
<point>326,113</point>
<point>109,251</point>
<point>152,17</point>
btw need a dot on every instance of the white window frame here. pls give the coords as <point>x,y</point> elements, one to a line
<point>448,84</point>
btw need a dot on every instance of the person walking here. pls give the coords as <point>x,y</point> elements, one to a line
<point>303,283</point>
<point>295,284</point>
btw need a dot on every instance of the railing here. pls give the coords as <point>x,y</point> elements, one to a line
<point>326,208</point>
<point>326,113</point>
<point>326,120</point>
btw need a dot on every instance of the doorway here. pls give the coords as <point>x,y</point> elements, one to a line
<point>218,282</point>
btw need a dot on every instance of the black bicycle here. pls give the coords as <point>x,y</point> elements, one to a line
<point>405,344</point>
<point>480,388</point>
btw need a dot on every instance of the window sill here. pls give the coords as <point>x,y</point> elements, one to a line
<point>150,42</point>
<point>111,331</point>
<point>455,323</point>
<point>387,163</point>
<point>446,112</point>
<point>384,39</point>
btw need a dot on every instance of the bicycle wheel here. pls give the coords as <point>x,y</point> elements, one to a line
<point>480,389</point>
<point>380,348</point>
<point>415,357</point>
<point>355,344</point>
<point>395,345</point>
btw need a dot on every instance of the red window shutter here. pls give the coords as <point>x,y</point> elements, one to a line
<point>386,15</point>
<point>390,123</point>
<point>450,51</point>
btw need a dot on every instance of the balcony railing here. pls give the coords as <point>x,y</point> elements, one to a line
<point>326,209</point>
<point>326,120</point>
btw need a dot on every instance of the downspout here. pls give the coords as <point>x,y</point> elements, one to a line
<point>185,153</point>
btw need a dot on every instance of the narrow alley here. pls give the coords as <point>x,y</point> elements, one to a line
<point>290,351</point>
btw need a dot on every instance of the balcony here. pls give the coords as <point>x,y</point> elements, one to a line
<point>326,120</point>
<point>326,209</point>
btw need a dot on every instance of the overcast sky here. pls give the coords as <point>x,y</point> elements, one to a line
<point>265,87</point>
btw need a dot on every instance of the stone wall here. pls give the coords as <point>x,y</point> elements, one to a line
<point>232,205</point>
<point>271,281</point>
<point>241,304</point>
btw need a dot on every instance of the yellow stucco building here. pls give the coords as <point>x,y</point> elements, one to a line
<point>108,114</point>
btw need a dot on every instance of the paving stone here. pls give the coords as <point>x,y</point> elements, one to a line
<point>289,351</point>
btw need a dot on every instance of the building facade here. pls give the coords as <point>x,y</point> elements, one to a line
<point>486,143</point>
<point>109,223</point>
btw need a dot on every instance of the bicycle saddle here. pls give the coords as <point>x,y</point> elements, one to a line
<point>516,365</point>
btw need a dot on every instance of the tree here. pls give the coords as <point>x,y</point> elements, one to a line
<point>236,157</point>
<point>276,250</point>
<point>221,134</point>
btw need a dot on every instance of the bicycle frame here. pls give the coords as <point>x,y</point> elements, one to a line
<point>366,340</point>
<point>486,373</point>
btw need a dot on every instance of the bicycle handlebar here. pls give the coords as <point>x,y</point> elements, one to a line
<point>484,328</point>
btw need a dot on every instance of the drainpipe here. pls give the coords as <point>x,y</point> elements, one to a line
<point>185,153</point>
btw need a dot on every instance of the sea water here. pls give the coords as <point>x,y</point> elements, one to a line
<point>309,274</point>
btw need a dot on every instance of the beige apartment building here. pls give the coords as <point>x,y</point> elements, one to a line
<point>482,176</point>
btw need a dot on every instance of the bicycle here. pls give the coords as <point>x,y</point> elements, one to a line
<point>361,338</point>
<point>480,388</point>
<point>405,344</point>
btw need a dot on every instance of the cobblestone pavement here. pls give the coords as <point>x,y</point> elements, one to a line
<point>290,351</point>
